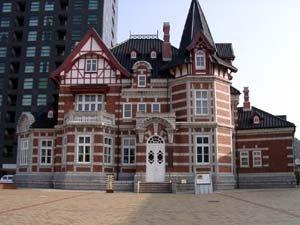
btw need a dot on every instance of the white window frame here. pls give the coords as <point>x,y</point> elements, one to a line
<point>152,107</point>
<point>259,157</point>
<point>140,84</point>
<point>153,54</point>
<point>108,156</point>
<point>201,100</point>
<point>85,147</point>
<point>124,110</point>
<point>85,102</point>
<point>203,145</point>
<point>138,108</point>
<point>129,147</point>
<point>200,55</point>
<point>46,149</point>
<point>64,150</point>
<point>246,156</point>
<point>256,120</point>
<point>91,65</point>
<point>24,150</point>
<point>133,55</point>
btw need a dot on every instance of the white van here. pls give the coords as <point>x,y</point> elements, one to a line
<point>7,179</point>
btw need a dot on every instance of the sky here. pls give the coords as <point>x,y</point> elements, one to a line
<point>265,35</point>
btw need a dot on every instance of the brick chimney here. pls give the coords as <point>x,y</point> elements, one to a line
<point>247,104</point>
<point>167,49</point>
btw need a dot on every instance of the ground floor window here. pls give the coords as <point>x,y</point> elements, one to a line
<point>84,146</point>
<point>202,149</point>
<point>108,150</point>
<point>244,159</point>
<point>257,161</point>
<point>24,148</point>
<point>46,152</point>
<point>64,150</point>
<point>128,150</point>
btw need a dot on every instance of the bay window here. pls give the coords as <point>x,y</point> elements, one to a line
<point>201,102</point>
<point>84,146</point>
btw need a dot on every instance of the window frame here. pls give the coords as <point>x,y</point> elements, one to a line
<point>23,157</point>
<point>85,146</point>
<point>138,107</point>
<point>133,54</point>
<point>129,147</point>
<point>201,99</point>
<point>83,102</point>
<point>200,54</point>
<point>6,7</point>
<point>41,100</point>
<point>110,154</point>
<point>254,157</point>
<point>91,63</point>
<point>28,83</point>
<point>144,76</point>
<point>152,107</point>
<point>47,149</point>
<point>203,145</point>
<point>246,156</point>
<point>124,111</point>
<point>32,36</point>
<point>25,98</point>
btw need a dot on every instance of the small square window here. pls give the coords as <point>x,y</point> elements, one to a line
<point>29,67</point>
<point>3,36</point>
<point>153,55</point>
<point>45,51</point>
<point>49,5</point>
<point>6,7</point>
<point>41,100</point>
<point>91,65</point>
<point>156,108</point>
<point>3,51</point>
<point>77,20</point>
<point>5,22</point>
<point>33,21</point>
<point>43,83</point>
<point>35,6</point>
<point>46,36</point>
<point>26,100</point>
<point>1,100</point>
<point>2,68</point>
<point>32,36</point>
<point>44,67</point>
<point>28,83</point>
<point>133,55</point>
<point>92,19</point>
<point>93,4</point>
<point>142,107</point>
<point>48,20</point>
<point>30,52</point>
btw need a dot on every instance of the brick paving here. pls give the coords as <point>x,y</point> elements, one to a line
<point>55,207</point>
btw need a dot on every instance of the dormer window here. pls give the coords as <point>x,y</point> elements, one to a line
<point>200,60</point>
<point>91,65</point>
<point>153,54</point>
<point>142,81</point>
<point>256,120</point>
<point>133,55</point>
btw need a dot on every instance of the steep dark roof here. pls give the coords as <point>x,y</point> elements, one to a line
<point>234,91</point>
<point>225,51</point>
<point>143,47</point>
<point>41,117</point>
<point>195,23</point>
<point>267,120</point>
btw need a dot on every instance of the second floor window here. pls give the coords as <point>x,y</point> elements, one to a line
<point>89,103</point>
<point>201,102</point>
<point>91,65</point>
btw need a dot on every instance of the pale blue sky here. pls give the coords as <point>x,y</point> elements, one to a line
<point>265,36</point>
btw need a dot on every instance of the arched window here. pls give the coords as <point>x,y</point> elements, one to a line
<point>256,120</point>
<point>153,54</point>
<point>200,61</point>
<point>133,55</point>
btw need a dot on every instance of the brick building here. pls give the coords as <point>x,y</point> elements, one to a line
<point>149,112</point>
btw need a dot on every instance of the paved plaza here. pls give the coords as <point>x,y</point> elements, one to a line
<point>55,207</point>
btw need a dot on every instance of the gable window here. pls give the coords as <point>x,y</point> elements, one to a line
<point>142,107</point>
<point>108,150</point>
<point>127,111</point>
<point>89,103</point>
<point>244,159</point>
<point>64,150</point>
<point>133,55</point>
<point>200,60</point>
<point>257,160</point>
<point>84,146</point>
<point>202,149</point>
<point>256,120</point>
<point>142,80</point>
<point>201,102</point>
<point>153,55</point>
<point>156,107</point>
<point>128,151</point>
<point>46,152</point>
<point>24,148</point>
<point>91,65</point>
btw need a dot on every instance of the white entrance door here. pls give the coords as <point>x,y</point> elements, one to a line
<point>155,165</point>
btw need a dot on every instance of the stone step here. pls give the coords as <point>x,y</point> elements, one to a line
<point>146,187</point>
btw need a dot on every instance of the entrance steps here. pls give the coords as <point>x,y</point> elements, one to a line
<point>154,187</point>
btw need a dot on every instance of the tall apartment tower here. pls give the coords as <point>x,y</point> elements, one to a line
<point>35,38</point>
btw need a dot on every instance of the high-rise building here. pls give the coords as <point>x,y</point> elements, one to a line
<point>35,38</point>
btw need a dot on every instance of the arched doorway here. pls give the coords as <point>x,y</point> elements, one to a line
<point>155,159</point>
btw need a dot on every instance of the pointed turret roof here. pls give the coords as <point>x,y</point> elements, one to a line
<point>195,23</point>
